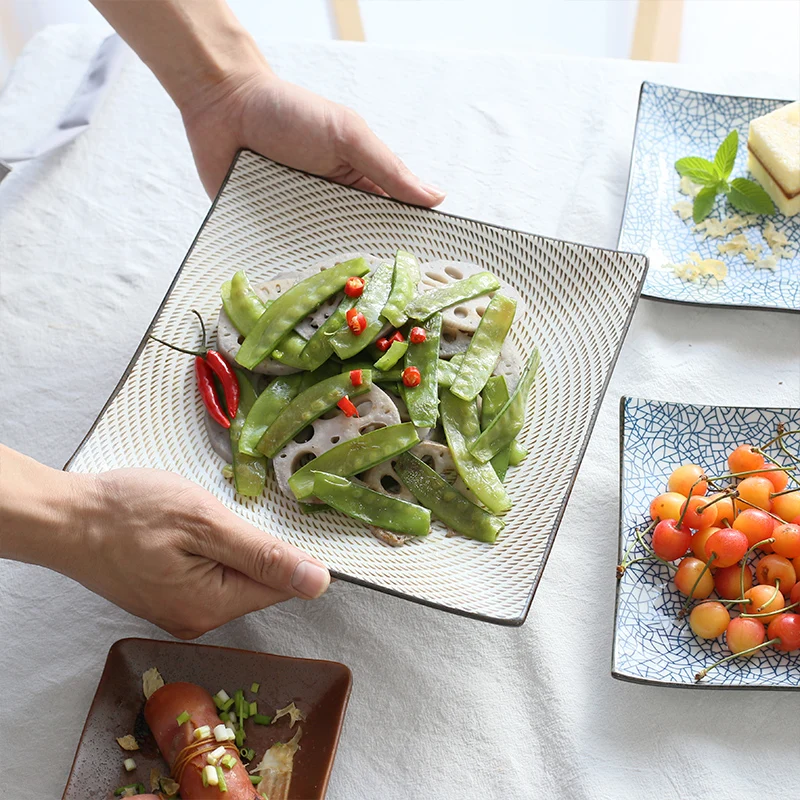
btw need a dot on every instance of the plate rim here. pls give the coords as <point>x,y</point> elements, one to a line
<point>120,643</point>
<point>634,139</point>
<point>513,622</point>
<point>628,677</point>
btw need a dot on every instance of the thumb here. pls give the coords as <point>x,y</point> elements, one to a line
<point>267,560</point>
<point>367,154</point>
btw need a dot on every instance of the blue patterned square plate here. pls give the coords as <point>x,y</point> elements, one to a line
<point>673,123</point>
<point>650,644</point>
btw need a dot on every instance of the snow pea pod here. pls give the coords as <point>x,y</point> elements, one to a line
<point>265,410</point>
<point>461,427</point>
<point>445,502</point>
<point>517,454</point>
<point>355,455</point>
<point>241,303</point>
<point>484,348</point>
<point>493,397</point>
<point>435,300</point>
<point>298,302</point>
<point>395,352</point>
<point>319,348</point>
<point>404,287</point>
<point>344,342</point>
<point>374,508</point>
<point>422,401</point>
<point>249,472</point>
<point>449,369</point>
<point>290,350</point>
<point>503,429</point>
<point>308,406</point>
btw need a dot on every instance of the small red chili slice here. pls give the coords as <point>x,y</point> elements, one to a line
<point>356,377</point>
<point>397,337</point>
<point>356,321</point>
<point>411,377</point>
<point>347,407</point>
<point>417,335</point>
<point>354,286</point>
<point>227,377</point>
<point>205,383</point>
<point>383,344</point>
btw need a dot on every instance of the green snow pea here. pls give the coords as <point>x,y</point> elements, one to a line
<point>290,350</point>
<point>265,410</point>
<point>319,348</point>
<point>241,303</point>
<point>298,302</point>
<point>374,508</point>
<point>449,369</point>
<point>461,428</point>
<point>404,287</point>
<point>445,502</point>
<point>249,472</point>
<point>355,455</point>
<point>395,352</point>
<point>517,454</point>
<point>308,406</point>
<point>493,397</point>
<point>427,303</point>
<point>423,401</point>
<point>344,342</point>
<point>503,429</point>
<point>484,348</point>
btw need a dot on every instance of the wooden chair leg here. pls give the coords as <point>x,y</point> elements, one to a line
<point>657,35</point>
<point>347,19</point>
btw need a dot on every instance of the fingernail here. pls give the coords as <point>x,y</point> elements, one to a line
<point>310,579</point>
<point>433,191</point>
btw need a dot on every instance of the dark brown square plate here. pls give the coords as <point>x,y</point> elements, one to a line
<point>320,689</point>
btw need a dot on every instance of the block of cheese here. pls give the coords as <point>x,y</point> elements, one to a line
<point>773,156</point>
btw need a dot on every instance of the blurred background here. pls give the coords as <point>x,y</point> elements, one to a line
<point>753,34</point>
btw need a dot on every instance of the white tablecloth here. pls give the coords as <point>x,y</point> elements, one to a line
<point>442,707</point>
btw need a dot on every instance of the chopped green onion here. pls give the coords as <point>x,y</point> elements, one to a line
<point>210,776</point>
<point>228,761</point>
<point>203,732</point>
<point>261,719</point>
<point>138,788</point>
<point>232,716</point>
<point>253,709</point>
<point>205,778</point>
<point>222,695</point>
<point>129,764</point>
<point>248,753</point>
<point>223,787</point>
<point>183,717</point>
<point>255,687</point>
<point>227,704</point>
<point>239,738</point>
<point>255,779</point>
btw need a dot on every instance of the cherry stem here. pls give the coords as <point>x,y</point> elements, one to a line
<point>625,563</point>
<point>757,612</point>
<point>706,567</point>
<point>701,479</point>
<point>703,672</point>
<point>738,601</point>
<point>785,491</point>
<point>773,468</point>
<point>777,438</point>
<point>724,496</point>
<point>770,613</point>
<point>748,503</point>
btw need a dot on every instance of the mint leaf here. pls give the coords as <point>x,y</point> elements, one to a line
<point>726,154</point>
<point>703,203</point>
<point>749,197</point>
<point>698,170</point>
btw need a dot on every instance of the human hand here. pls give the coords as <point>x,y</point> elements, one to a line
<point>255,109</point>
<point>166,550</point>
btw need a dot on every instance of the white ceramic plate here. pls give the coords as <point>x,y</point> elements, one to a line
<point>267,219</point>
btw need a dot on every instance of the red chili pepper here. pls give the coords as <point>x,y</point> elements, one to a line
<point>354,286</point>
<point>205,383</point>
<point>356,321</point>
<point>411,377</point>
<point>417,335</point>
<point>227,377</point>
<point>356,377</point>
<point>383,344</point>
<point>397,337</point>
<point>347,407</point>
